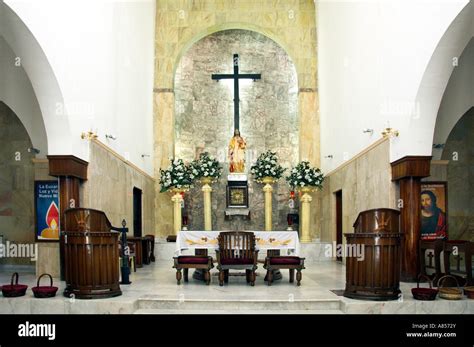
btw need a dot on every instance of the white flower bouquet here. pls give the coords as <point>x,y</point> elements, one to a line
<point>267,166</point>
<point>206,167</point>
<point>177,175</point>
<point>303,175</point>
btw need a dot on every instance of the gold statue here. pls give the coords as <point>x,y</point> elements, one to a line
<point>237,147</point>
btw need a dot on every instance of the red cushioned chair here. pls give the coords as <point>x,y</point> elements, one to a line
<point>284,262</point>
<point>186,262</point>
<point>236,251</point>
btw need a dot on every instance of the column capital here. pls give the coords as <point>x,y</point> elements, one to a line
<point>206,188</point>
<point>306,198</point>
<point>177,197</point>
<point>268,188</point>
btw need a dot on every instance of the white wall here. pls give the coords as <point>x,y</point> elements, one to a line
<point>372,58</point>
<point>16,91</point>
<point>101,53</point>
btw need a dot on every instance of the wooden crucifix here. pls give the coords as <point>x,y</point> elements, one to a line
<point>236,76</point>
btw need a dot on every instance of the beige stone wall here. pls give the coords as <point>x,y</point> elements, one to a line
<point>109,188</point>
<point>366,183</point>
<point>181,23</point>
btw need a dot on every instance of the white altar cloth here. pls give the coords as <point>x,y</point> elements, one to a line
<point>265,240</point>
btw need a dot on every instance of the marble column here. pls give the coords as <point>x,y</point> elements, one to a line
<point>309,132</point>
<point>164,149</point>
<point>207,190</point>
<point>268,189</point>
<point>305,216</point>
<point>177,199</point>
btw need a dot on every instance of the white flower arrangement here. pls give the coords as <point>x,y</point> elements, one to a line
<point>206,166</point>
<point>267,166</point>
<point>303,175</point>
<point>177,175</point>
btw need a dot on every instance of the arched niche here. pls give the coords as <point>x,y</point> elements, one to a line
<point>204,114</point>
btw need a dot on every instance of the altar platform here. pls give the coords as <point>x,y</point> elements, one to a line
<point>154,291</point>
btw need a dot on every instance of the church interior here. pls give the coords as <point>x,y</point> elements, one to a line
<point>236,157</point>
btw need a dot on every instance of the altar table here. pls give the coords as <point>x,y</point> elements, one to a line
<point>265,240</point>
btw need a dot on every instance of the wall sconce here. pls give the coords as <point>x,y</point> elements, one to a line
<point>390,132</point>
<point>329,156</point>
<point>112,137</point>
<point>90,135</point>
<point>371,131</point>
<point>33,150</point>
<point>145,155</point>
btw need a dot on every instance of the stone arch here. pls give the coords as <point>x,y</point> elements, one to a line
<point>43,80</point>
<point>229,26</point>
<point>436,77</point>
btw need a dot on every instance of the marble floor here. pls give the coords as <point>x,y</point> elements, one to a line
<point>154,291</point>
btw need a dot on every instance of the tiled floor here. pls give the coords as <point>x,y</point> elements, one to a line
<point>154,290</point>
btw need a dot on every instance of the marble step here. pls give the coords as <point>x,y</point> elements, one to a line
<point>238,305</point>
<point>279,312</point>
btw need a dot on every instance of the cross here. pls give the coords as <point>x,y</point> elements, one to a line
<point>236,76</point>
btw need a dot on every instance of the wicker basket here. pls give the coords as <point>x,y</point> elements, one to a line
<point>449,293</point>
<point>424,293</point>
<point>44,291</point>
<point>469,292</point>
<point>13,290</point>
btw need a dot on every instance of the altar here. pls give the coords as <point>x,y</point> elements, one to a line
<point>283,241</point>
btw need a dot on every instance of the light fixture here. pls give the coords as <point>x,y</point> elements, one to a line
<point>329,156</point>
<point>33,150</point>
<point>90,135</point>
<point>112,137</point>
<point>390,132</point>
<point>145,155</point>
<point>371,131</point>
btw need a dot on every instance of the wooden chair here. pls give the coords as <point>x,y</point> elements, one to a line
<point>186,262</point>
<point>452,247</point>
<point>236,251</point>
<point>291,263</point>
<point>435,247</point>
<point>151,239</point>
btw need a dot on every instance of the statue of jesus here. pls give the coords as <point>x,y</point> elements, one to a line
<point>237,153</point>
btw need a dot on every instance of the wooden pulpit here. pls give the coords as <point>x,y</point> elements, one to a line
<point>91,255</point>
<point>374,274</point>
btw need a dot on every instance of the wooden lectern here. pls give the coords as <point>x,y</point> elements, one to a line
<point>91,255</point>
<point>376,275</point>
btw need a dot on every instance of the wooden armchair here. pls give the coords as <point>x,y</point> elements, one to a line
<point>236,251</point>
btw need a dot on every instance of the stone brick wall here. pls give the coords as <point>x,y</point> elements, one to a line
<point>268,117</point>
<point>16,183</point>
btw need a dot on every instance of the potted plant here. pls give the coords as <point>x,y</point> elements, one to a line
<point>305,178</point>
<point>206,169</point>
<point>178,177</point>
<point>266,169</point>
